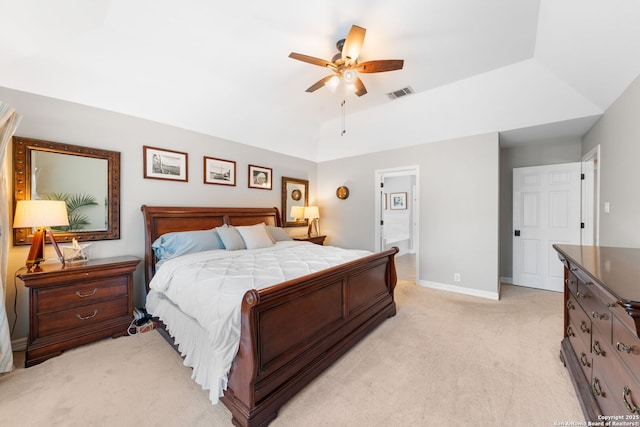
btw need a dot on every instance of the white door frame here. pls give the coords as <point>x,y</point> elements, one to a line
<point>590,213</point>
<point>380,174</point>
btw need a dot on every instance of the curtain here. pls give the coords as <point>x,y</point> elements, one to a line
<point>9,120</point>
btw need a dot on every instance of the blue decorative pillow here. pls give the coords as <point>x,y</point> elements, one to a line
<point>171,245</point>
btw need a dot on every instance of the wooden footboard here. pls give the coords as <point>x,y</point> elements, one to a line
<point>293,331</point>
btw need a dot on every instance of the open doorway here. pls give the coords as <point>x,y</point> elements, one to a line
<point>397,217</point>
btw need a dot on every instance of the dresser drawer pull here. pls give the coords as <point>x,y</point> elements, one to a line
<point>88,294</point>
<point>584,328</point>
<point>91,316</point>
<point>570,305</point>
<point>570,331</point>
<point>581,295</point>
<point>584,360</point>
<point>597,349</point>
<point>623,347</point>
<point>597,388</point>
<point>630,406</point>
<point>599,316</point>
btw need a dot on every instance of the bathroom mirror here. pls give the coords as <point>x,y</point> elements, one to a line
<point>88,179</point>
<point>295,192</point>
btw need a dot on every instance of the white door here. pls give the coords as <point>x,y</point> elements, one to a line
<point>546,210</point>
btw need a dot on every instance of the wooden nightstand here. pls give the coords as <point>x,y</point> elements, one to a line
<point>318,240</point>
<point>77,304</point>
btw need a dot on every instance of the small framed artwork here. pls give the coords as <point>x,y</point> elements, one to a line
<point>160,163</point>
<point>260,177</point>
<point>219,171</point>
<point>398,200</point>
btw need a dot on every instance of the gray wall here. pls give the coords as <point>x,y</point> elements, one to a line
<point>458,193</point>
<point>59,121</point>
<point>534,154</point>
<point>618,134</point>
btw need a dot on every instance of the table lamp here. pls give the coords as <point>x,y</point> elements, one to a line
<point>297,212</point>
<point>41,215</point>
<point>313,214</point>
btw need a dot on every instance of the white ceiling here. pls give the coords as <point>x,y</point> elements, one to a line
<point>530,69</point>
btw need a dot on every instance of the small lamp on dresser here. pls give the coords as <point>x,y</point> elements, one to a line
<point>41,215</point>
<point>312,213</point>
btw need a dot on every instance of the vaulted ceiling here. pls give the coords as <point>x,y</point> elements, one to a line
<point>530,69</point>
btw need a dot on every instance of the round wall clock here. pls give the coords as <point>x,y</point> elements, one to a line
<point>342,192</point>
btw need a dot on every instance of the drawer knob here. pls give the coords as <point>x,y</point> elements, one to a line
<point>599,316</point>
<point>584,360</point>
<point>570,305</point>
<point>584,328</point>
<point>597,349</point>
<point>91,316</point>
<point>630,406</point>
<point>581,295</point>
<point>597,388</point>
<point>88,294</point>
<point>570,331</point>
<point>623,347</point>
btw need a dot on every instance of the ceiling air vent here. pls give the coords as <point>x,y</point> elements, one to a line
<point>399,93</point>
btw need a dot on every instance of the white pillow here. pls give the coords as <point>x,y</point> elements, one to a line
<point>278,234</point>
<point>255,236</point>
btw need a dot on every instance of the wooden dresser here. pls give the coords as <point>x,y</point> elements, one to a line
<point>601,345</point>
<point>78,303</point>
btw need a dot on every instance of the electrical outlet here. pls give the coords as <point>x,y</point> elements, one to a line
<point>456,277</point>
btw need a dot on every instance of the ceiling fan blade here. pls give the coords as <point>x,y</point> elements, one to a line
<point>360,89</point>
<point>312,60</point>
<point>353,44</point>
<point>380,66</point>
<point>320,83</point>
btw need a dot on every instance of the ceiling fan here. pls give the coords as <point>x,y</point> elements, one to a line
<point>345,63</point>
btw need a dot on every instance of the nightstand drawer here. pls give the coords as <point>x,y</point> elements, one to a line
<point>79,317</point>
<point>53,299</point>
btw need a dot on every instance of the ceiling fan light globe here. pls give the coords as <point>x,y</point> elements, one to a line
<point>350,76</point>
<point>332,83</point>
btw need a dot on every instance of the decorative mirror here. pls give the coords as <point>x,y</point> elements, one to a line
<point>88,179</point>
<point>295,192</point>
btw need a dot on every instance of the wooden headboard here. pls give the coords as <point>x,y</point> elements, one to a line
<point>159,220</point>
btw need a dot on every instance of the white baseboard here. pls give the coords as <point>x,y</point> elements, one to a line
<point>19,345</point>
<point>461,290</point>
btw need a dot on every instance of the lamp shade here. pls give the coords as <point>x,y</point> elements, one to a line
<point>297,212</point>
<point>311,212</point>
<point>40,213</point>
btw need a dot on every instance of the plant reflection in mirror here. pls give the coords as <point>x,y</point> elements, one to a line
<point>75,203</point>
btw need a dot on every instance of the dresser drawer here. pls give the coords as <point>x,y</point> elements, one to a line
<point>579,322</point>
<point>51,299</point>
<point>626,346</point>
<point>583,353</point>
<point>597,306</point>
<point>82,316</point>
<point>621,389</point>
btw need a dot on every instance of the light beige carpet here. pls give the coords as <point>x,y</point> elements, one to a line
<point>444,359</point>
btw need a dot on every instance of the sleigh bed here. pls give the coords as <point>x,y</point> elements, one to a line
<point>290,331</point>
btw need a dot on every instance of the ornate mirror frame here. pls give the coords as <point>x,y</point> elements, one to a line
<point>22,152</point>
<point>295,192</point>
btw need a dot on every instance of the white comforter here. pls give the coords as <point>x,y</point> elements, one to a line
<point>209,286</point>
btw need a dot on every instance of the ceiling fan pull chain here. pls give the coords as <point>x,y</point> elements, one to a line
<point>343,117</point>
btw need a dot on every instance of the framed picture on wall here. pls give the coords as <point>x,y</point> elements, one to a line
<point>398,200</point>
<point>260,177</point>
<point>219,171</point>
<point>160,163</point>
